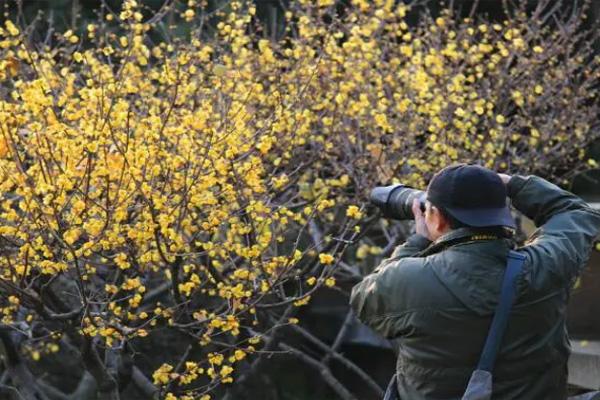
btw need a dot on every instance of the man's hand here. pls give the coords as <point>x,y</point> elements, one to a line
<point>420,225</point>
<point>505,178</point>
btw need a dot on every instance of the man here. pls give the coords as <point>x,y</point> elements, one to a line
<point>436,295</point>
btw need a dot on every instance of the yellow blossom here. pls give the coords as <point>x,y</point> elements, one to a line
<point>353,212</point>
<point>326,259</point>
<point>189,14</point>
<point>162,375</point>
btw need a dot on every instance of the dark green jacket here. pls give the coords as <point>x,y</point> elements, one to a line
<point>436,301</point>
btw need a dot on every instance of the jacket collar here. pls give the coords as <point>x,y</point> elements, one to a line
<point>455,234</point>
<point>460,235</point>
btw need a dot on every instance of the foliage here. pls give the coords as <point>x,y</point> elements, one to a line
<point>208,187</point>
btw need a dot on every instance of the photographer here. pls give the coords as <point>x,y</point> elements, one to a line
<point>436,295</point>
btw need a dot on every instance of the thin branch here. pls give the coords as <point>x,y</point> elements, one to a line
<point>323,370</point>
<point>331,353</point>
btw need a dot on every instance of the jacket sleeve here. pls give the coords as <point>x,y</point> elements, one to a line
<point>566,228</point>
<point>377,300</point>
<point>413,245</point>
<point>372,299</point>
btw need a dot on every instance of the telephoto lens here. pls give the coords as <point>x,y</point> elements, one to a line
<point>396,201</point>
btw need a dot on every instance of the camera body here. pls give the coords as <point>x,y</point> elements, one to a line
<point>396,201</point>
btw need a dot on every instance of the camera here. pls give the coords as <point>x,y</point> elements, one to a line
<point>396,201</point>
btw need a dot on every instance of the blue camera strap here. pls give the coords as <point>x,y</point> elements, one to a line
<point>499,322</point>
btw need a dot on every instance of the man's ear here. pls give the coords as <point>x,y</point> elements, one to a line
<point>444,223</point>
<point>441,223</point>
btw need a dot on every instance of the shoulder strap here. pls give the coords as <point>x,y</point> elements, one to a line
<point>492,343</point>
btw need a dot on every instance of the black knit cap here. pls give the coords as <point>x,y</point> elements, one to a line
<point>474,195</point>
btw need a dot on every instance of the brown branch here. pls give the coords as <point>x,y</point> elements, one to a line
<point>178,367</point>
<point>107,385</point>
<point>323,370</point>
<point>271,342</point>
<point>332,353</point>
<point>144,384</point>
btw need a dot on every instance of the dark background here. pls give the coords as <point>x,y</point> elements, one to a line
<point>283,377</point>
